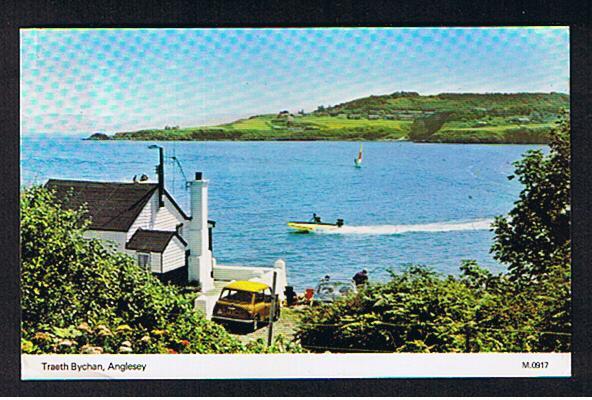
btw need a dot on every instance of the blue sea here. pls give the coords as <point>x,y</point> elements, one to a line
<point>409,204</point>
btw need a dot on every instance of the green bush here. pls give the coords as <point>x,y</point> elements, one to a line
<point>414,311</point>
<point>423,128</point>
<point>517,135</point>
<point>419,310</point>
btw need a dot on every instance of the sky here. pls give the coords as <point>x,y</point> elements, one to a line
<point>80,81</point>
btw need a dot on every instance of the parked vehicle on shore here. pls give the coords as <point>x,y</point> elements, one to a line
<point>246,302</point>
<point>327,291</point>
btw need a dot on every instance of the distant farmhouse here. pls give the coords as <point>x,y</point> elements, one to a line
<point>285,117</point>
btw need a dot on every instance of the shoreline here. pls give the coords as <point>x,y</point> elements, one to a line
<point>405,140</point>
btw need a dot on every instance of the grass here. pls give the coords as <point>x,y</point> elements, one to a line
<point>285,326</point>
<point>517,134</point>
<point>310,127</point>
<point>496,128</point>
<point>256,123</point>
<point>268,127</point>
<point>339,122</point>
<point>265,123</point>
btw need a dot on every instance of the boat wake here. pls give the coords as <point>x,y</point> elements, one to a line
<point>480,224</point>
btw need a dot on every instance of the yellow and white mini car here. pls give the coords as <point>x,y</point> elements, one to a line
<point>246,302</point>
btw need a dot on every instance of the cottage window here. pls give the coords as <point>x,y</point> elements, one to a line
<point>144,260</point>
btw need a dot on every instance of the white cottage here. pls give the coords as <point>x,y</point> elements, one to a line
<point>143,220</point>
<point>139,219</point>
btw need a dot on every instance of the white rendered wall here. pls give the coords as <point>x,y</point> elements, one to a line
<point>200,257</point>
<point>157,218</point>
<point>155,263</point>
<point>257,274</point>
<point>205,303</point>
<point>173,256</point>
<point>145,217</point>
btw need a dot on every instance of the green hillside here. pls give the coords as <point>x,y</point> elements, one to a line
<point>270,127</point>
<point>462,105</point>
<point>446,117</point>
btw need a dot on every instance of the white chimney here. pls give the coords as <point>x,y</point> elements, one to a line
<point>200,257</point>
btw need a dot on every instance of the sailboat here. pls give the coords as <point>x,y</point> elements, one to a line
<point>358,159</point>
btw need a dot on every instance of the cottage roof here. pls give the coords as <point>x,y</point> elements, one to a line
<point>111,206</point>
<point>151,241</point>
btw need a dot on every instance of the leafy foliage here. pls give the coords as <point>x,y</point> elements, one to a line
<point>78,297</point>
<point>425,127</point>
<point>419,310</point>
<point>414,311</point>
<point>462,106</point>
<point>514,135</point>
<point>536,233</point>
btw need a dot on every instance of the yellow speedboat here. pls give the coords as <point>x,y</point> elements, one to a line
<point>315,225</point>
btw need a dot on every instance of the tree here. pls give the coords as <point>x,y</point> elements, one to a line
<point>536,233</point>
<point>423,128</point>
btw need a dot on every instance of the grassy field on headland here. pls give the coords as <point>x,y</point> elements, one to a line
<point>446,118</point>
<point>268,127</point>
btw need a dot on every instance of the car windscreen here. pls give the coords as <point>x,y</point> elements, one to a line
<point>237,296</point>
<point>325,288</point>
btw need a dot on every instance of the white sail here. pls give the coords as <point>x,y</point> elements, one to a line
<point>358,160</point>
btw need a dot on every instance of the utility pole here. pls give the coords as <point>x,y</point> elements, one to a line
<point>160,176</point>
<point>467,339</point>
<point>272,311</point>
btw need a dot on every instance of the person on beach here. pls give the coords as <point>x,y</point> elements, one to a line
<point>361,277</point>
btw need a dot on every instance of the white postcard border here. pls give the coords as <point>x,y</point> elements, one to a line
<point>293,366</point>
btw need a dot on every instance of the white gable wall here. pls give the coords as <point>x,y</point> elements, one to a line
<point>168,217</point>
<point>157,218</point>
<point>144,219</point>
<point>173,256</point>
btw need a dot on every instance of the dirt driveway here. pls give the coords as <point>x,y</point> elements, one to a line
<point>284,326</point>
